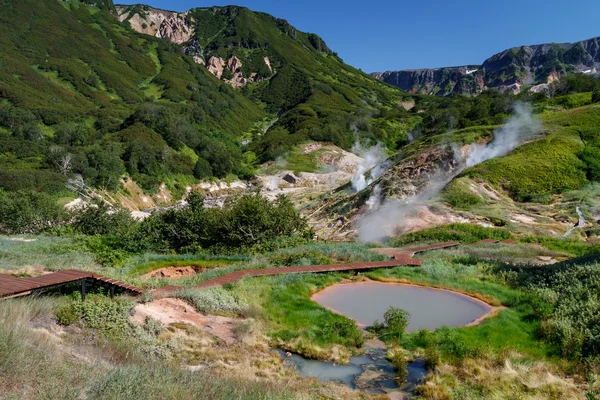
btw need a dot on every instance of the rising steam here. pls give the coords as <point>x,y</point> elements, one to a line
<point>519,128</point>
<point>385,216</point>
<point>371,168</point>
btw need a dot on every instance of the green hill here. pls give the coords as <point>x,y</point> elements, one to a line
<point>74,78</point>
<point>82,93</point>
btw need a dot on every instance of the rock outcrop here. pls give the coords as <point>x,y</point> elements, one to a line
<point>507,71</point>
<point>215,66</point>
<point>159,23</point>
<point>179,28</point>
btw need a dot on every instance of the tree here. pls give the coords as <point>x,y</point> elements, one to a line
<point>202,169</point>
<point>29,212</point>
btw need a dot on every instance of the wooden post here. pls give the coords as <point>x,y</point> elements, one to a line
<point>83,289</point>
<point>112,291</point>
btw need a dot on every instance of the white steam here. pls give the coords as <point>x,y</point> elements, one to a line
<point>385,216</point>
<point>520,127</point>
<point>371,168</point>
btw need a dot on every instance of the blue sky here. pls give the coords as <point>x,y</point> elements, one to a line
<point>389,35</point>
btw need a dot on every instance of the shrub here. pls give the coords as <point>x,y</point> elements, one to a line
<point>67,315</point>
<point>394,326</point>
<point>248,222</point>
<point>29,212</point>
<point>212,300</point>
<point>400,363</point>
<point>101,219</point>
<point>460,197</point>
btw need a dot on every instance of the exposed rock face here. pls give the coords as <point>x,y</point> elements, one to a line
<point>215,66</point>
<point>179,28</point>
<point>506,71</point>
<point>159,23</point>
<point>234,64</point>
<point>268,62</point>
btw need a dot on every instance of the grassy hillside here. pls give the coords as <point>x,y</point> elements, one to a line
<point>74,81</point>
<point>315,94</point>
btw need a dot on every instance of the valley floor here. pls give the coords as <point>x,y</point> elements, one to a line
<point>219,341</point>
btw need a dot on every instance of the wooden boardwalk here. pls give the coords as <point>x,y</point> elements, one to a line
<point>301,269</point>
<point>411,252</point>
<point>11,286</point>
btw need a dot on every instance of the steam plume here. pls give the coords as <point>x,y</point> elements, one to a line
<point>387,215</point>
<point>371,168</point>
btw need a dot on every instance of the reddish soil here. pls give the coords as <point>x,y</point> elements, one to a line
<point>169,310</point>
<point>173,272</point>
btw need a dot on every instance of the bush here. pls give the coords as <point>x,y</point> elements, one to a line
<point>394,326</point>
<point>464,233</point>
<point>460,197</point>
<point>29,212</point>
<point>400,363</point>
<point>596,96</point>
<point>212,300</point>
<point>67,315</point>
<point>248,222</point>
<point>101,219</point>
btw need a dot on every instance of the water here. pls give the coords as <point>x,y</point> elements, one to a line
<point>580,224</point>
<point>429,308</point>
<point>370,372</point>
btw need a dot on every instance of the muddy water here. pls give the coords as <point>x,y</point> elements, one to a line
<point>429,308</point>
<point>371,372</point>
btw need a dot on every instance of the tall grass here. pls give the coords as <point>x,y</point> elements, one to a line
<point>36,365</point>
<point>48,252</point>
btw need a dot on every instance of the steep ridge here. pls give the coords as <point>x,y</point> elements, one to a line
<point>294,74</point>
<point>508,71</point>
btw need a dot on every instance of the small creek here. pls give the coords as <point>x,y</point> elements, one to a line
<point>580,223</point>
<point>370,372</point>
<point>366,302</point>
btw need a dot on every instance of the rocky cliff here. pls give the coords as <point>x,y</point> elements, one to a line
<point>511,70</point>
<point>160,23</point>
<point>181,28</point>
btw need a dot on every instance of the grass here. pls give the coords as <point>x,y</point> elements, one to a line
<point>34,366</point>
<point>44,252</point>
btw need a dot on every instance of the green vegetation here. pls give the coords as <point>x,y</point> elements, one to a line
<point>213,300</point>
<point>394,325</point>
<point>32,362</point>
<point>463,233</point>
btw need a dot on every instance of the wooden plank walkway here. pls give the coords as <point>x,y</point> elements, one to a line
<point>301,269</point>
<point>11,286</point>
<point>411,252</point>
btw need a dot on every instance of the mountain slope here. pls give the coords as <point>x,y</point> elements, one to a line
<point>290,73</point>
<point>74,77</point>
<point>509,70</point>
<point>533,188</point>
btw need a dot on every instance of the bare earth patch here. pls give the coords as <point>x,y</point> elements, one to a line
<point>169,310</point>
<point>173,272</point>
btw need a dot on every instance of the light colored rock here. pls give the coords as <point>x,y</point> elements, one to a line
<point>234,64</point>
<point>76,204</point>
<point>198,60</point>
<point>238,80</point>
<point>159,23</point>
<point>215,66</point>
<point>169,310</point>
<point>268,62</point>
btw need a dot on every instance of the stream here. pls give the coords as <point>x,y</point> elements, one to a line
<point>580,224</point>
<point>371,372</point>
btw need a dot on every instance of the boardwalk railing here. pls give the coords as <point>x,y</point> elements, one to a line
<point>11,286</point>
